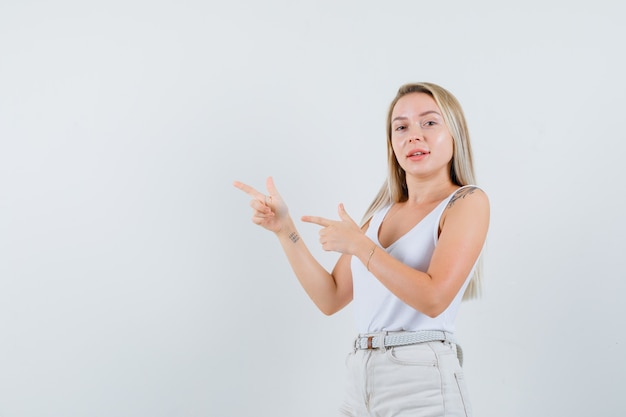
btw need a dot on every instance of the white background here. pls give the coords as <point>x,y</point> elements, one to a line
<point>132,282</point>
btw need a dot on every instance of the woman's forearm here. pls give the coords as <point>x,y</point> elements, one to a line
<point>318,283</point>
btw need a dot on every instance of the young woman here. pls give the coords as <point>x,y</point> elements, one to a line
<point>407,268</point>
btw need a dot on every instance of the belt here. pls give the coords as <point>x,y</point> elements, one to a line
<point>385,340</point>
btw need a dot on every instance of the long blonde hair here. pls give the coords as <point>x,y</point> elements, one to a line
<point>394,190</point>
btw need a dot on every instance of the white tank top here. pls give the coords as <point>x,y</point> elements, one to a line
<point>376,309</point>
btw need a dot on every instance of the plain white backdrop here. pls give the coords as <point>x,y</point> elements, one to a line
<point>132,282</point>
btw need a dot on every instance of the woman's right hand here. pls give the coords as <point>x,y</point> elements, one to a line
<point>270,211</point>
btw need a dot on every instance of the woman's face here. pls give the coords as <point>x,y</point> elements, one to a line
<point>421,141</point>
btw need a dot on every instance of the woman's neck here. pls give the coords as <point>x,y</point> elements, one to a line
<point>427,191</point>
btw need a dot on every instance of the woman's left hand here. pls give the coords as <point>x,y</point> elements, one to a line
<point>344,235</point>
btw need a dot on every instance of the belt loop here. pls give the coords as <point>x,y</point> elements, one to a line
<point>459,354</point>
<point>382,335</point>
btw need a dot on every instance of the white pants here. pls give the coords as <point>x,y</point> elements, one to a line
<point>422,380</point>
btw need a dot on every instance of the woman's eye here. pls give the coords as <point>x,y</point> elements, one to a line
<point>399,128</point>
<point>430,123</point>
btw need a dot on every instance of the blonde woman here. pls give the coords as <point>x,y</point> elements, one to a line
<point>407,268</point>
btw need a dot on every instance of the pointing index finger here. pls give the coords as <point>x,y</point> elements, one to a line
<point>252,192</point>
<point>321,221</point>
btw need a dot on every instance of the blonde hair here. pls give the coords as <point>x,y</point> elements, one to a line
<point>394,190</point>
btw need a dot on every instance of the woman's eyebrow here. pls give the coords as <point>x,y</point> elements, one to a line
<point>430,112</point>
<point>420,115</point>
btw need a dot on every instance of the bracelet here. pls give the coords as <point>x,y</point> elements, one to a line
<point>369,258</point>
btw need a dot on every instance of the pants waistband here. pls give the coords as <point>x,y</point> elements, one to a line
<point>390,339</point>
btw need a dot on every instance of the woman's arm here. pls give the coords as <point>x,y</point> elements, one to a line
<point>461,240</point>
<point>463,233</point>
<point>329,291</point>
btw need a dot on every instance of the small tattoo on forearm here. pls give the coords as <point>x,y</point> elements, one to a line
<point>294,237</point>
<point>462,193</point>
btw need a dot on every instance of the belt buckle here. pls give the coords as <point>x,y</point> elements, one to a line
<point>370,340</point>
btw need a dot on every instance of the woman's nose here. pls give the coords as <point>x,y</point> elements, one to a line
<point>416,135</point>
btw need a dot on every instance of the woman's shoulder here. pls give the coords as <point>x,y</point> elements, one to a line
<point>467,204</point>
<point>467,208</point>
<point>468,195</point>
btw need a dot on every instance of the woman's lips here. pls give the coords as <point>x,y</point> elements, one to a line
<point>417,154</point>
